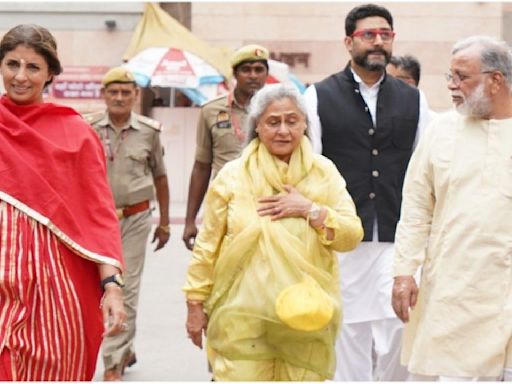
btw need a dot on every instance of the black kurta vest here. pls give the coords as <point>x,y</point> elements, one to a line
<point>373,160</point>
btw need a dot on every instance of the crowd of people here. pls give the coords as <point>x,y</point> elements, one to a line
<point>348,234</point>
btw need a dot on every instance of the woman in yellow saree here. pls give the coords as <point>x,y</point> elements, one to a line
<point>263,280</point>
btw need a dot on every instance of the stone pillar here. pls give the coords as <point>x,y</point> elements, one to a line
<point>507,22</point>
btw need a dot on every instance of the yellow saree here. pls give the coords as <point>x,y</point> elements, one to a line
<point>241,261</point>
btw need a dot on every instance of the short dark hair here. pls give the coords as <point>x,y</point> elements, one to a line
<point>364,11</point>
<point>36,37</point>
<point>408,63</point>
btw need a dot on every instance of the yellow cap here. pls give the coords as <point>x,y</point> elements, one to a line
<point>118,75</point>
<point>252,52</point>
<point>305,306</point>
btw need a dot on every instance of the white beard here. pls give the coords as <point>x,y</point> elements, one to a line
<point>477,104</point>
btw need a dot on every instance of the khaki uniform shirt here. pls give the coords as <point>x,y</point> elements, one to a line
<point>457,223</point>
<point>217,141</point>
<point>134,157</point>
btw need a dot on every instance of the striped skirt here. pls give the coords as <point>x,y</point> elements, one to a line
<point>50,321</point>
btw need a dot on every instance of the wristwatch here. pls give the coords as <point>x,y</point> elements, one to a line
<point>116,279</point>
<point>314,211</point>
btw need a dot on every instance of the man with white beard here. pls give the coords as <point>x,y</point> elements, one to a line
<point>456,223</point>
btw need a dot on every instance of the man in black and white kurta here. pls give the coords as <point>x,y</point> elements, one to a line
<point>367,123</point>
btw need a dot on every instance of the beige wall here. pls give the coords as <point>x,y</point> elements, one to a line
<point>179,142</point>
<point>426,30</point>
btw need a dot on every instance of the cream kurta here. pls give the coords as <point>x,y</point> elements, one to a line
<point>458,199</point>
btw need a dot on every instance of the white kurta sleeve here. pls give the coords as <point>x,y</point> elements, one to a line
<point>423,119</point>
<point>418,203</point>
<point>315,127</point>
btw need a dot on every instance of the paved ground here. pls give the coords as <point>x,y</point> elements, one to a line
<point>164,352</point>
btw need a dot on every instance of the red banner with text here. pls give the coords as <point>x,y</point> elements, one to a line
<point>78,82</point>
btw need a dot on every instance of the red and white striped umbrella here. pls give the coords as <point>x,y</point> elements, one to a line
<point>175,68</point>
<point>170,67</point>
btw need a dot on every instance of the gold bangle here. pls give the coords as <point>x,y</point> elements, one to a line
<point>165,228</point>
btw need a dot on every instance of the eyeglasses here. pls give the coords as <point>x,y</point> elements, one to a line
<point>458,78</point>
<point>370,35</point>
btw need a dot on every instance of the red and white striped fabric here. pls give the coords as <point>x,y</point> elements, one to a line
<point>49,316</point>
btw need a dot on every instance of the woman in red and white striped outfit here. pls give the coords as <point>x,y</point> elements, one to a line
<point>59,235</point>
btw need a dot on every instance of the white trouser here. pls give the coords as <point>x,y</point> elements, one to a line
<point>369,351</point>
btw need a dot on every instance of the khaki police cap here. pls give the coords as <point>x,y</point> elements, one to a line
<point>252,52</point>
<point>118,75</point>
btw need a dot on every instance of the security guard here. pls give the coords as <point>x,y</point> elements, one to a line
<point>221,129</point>
<point>135,169</point>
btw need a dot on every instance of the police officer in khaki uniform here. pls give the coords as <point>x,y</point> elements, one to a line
<point>221,129</point>
<point>135,169</point>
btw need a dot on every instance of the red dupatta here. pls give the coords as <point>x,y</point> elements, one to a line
<point>52,167</point>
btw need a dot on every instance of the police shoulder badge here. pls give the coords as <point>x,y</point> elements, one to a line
<point>93,118</point>
<point>223,120</point>
<point>156,125</point>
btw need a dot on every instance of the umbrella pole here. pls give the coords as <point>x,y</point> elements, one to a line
<point>172,100</point>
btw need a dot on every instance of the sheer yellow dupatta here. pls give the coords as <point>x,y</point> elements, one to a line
<point>263,257</point>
